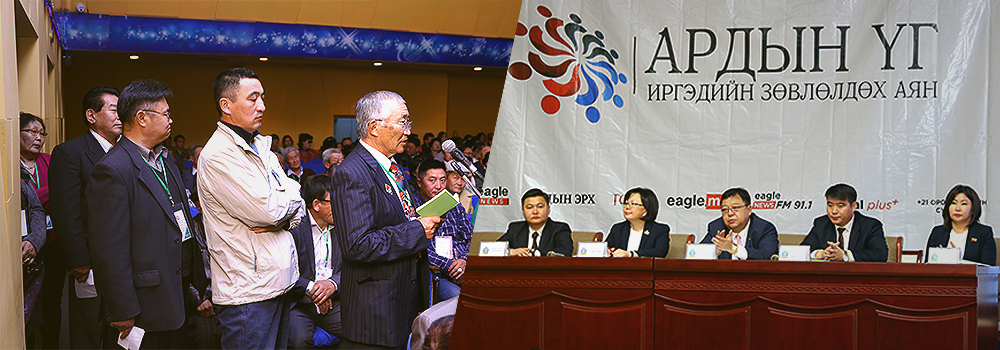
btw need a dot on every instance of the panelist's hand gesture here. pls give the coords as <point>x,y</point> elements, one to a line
<point>832,252</point>
<point>723,242</point>
<point>520,252</point>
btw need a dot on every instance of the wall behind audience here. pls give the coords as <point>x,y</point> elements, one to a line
<point>299,98</point>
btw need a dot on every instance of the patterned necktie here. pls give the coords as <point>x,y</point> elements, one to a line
<point>404,196</point>
<point>840,237</point>
<point>738,239</point>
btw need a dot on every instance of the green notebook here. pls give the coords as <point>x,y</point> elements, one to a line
<point>437,206</point>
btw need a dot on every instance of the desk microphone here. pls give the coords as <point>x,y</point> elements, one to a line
<point>554,253</point>
<point>774,257</point>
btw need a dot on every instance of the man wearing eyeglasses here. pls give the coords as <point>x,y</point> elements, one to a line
<point>381,236</point>
<point>140,227</point>
<point>739,234</point>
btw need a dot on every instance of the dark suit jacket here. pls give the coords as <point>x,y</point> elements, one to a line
<point>979,243</point>
<point>867,241</point>
<point>69,173</point>
<point>307,259</point>
<point>380,294</point>
<point>135,241</point>
<point>655,241</point>
<point>762,240</point>
<point>188,178</point>
<point>555,236</point>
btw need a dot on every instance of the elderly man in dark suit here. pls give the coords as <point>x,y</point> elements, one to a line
<point>317,303</point>
<point>69,174</point>
<point>843,234</point>
<point>537,234</point>
<point>140,227</point>
<point>378,230</point>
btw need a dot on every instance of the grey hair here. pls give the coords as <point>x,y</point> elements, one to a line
<point>328,152</point>
<point>371,107</point>
<point>288,150</point>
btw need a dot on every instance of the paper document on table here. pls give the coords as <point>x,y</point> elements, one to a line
<point>437,206</point>
<point>133,340</point>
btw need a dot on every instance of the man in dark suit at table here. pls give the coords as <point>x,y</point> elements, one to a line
<point>537,235</point>
<point>142,249</point>
<point>843,234</point>
<point>739,234</point>
<point>316,301</point>
<point>69,172</point>
<point>380,235</point>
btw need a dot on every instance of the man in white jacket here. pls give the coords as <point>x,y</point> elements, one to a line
<point>249,205</point>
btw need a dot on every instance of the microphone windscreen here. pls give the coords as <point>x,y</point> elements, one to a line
<point>448,146</point>
<point>774,257</point>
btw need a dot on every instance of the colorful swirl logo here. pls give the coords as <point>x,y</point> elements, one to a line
<point>583,59</point>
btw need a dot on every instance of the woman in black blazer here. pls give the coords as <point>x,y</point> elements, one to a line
<point>962,229</point>
<point>649,238</point>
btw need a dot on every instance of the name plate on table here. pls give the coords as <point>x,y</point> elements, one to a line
<point>944,256</point>
<point>592,249</point>
<point>493,248</point>
<point>793,253</point>
<point>700,252</point>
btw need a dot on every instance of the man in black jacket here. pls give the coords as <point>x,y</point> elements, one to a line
<point>537,235</point>
<point>844,235</point>
<point>69,174</point>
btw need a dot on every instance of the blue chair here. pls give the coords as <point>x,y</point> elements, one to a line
<point>318,168</point>
<point>321,338</point>
<point>189,164</point>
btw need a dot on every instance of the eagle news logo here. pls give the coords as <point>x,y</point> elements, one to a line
<point>584,65</point>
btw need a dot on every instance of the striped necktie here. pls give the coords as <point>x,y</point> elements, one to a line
<point>404,196</point>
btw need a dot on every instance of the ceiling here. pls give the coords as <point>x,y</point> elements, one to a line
<point>482,18</point>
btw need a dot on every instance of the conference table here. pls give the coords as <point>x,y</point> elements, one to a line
<point>516,303</point>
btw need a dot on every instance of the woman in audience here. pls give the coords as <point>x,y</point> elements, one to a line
<point>34,202</point>
<point>306,150</point>
<point>639,234</point>
<point>961,228</point>
<point>287,141</point>
<point>435,150</point>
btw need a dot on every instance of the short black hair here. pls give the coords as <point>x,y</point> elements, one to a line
<point>649,201</point>
<point>842,192</point>
<point>139,95</point>
<point>736,191</point>
<point>179,137</point>
<point>27,118</point>
<point>227,81</point>
<point>94,99</point>
<point>534,192</point>
<point>977,204</point>
<point>303,137</point>
<point>429,164</point>
<point>316,187</point>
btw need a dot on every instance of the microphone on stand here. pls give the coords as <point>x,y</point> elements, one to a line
<point>449,146</point>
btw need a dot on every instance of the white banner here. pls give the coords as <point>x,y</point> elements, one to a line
<point>784,98</point>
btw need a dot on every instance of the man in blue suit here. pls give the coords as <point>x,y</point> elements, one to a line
<point>739,234</point>
<point>378,230</point>
<point>844,235</point>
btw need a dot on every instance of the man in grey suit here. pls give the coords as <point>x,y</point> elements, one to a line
<point>380,235</point>
<point>140,237</point>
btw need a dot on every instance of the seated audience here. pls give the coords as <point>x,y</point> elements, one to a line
<point>537,235</point>
<point>287,141</point>
<point>739,234</point>
<point>439,334</point>
<point>456,185</point>
<point>331,158</point>
<point>961,228</point>
<point>316,294</point>
<point>843,234</point>
<point>639,235</point>
<point>306,152</point>
<point>422,324</point>
<point>455,224</point>
<point>295,170</point>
